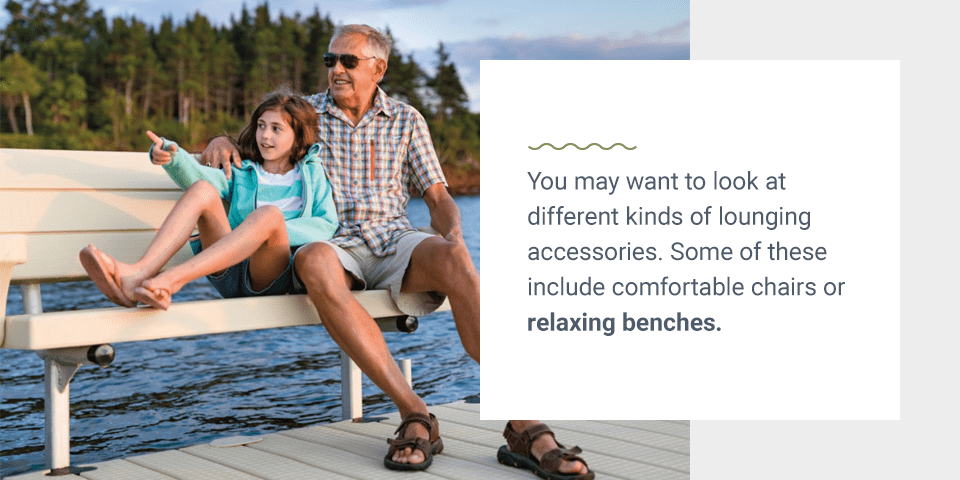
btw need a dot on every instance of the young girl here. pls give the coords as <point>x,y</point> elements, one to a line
<point>278,199</point>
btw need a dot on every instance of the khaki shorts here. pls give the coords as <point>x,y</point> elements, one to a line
<point>372,272</point>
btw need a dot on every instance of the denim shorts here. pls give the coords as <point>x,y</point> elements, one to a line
<point>235,281</point>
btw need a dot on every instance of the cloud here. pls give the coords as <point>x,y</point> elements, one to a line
<point>413,3</point>
<point>670,43</point>
<point>490,22</point>
<point>678,32</point>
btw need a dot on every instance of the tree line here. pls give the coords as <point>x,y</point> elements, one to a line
<point>71,78</point>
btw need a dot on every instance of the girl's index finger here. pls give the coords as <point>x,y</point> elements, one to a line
<point>155,139</point>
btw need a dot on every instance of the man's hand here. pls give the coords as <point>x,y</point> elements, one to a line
<point>221,153</point>
<point>158,155</point>
<point>455,236</point>
<point>444,213</point>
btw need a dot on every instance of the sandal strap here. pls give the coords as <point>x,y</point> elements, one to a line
<point>433,426</point>
<point>522,442</point>
<point>551,460</point>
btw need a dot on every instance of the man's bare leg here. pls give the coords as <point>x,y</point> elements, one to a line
<point>442,266</point>
<point>357,333</point>
<point>446,267</point>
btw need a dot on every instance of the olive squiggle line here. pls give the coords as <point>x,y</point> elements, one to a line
<point>581,148</point>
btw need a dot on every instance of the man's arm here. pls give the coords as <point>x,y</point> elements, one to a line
<point>222,152</point>
<point>444,213</point>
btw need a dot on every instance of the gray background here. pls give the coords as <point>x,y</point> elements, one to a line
<point>923,444</point>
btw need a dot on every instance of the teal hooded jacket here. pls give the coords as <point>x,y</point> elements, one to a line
<point>317,221</point>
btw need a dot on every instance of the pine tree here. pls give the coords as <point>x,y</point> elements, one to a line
<point>446,84</point>
<point>165,45</point>
<point>404,79</point>
<point>319,31</point>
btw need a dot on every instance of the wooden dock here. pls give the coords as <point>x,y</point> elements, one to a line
<point>649,450</point>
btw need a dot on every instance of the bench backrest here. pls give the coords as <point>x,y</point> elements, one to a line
<point>63,200</point>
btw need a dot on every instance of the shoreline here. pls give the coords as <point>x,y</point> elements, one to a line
<point>460,181</point>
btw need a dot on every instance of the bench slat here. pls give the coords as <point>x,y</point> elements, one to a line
<point>62,201</point>
<point>60,169</point>
<point>55,257</point>
<point>117,325</point>
<point>28,211</point>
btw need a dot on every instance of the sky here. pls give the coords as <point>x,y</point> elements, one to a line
<point>474,30</point>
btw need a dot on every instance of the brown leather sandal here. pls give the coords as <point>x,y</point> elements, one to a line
<point>517,453</point>
<point>428,447</point>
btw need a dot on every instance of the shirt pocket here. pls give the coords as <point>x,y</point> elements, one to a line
<point>385,155</point>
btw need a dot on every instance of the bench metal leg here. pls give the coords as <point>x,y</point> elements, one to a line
<point>350,385</point>
<point>350,388</point>
<point>56,402</point>
<point>406,366</point>
<point>56,395</point>
<point>59,366</point>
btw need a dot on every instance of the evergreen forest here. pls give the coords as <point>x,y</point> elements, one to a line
<point>71,78</point>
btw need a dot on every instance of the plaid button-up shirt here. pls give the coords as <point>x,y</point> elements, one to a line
<point>372,168</point>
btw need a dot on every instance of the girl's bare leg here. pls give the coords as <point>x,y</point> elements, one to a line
<point>199,206</point>
<point>262,237</point>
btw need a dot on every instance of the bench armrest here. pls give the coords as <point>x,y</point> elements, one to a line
<point>13,251</point>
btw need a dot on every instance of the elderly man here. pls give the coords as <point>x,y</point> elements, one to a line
<point>374,149</point>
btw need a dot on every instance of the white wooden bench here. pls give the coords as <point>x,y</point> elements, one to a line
<point>52,204</point>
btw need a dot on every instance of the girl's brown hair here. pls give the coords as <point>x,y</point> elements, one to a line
<point>299,113</point>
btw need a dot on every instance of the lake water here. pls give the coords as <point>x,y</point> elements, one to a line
<point>173,393</point>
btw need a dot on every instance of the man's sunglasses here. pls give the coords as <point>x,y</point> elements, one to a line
<point>349,61</point>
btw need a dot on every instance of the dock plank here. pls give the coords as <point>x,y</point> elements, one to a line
<point>459,422</point>
<point>121,470</point>
<point>615,447</point>
<point>479,461</point>
<point>184,466</point>
<point>375,447</point>
<point>651,450</point>
<point>676,428</point>
<point>261,463</point>
<point>42,476</point>
<point>481,444</point>
<point>332,458</point>
<point>665,427</point>
<point>633,435</point>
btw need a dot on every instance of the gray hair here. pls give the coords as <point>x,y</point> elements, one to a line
<point>378,43</point>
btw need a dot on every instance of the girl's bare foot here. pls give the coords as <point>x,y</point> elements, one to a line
<point>117,280</point>
<point>102,269</point>
<point>155,294</point>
